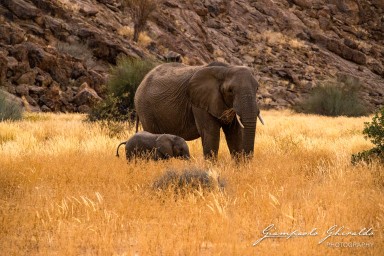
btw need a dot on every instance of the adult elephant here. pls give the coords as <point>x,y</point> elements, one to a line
<point>196,101</point>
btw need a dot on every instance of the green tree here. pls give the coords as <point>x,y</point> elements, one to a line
<point>374,131</point>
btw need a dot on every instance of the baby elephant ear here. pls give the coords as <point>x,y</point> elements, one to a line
<point>204,89</point>
<point>164,146</point>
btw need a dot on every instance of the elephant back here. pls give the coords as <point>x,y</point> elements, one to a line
<point>161,100</point>
<point>169,76</point>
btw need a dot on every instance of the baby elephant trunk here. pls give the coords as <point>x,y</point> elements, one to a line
<point>183,155</point>
<point>117,151</point>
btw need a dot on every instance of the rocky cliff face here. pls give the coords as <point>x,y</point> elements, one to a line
<point>55,55</point>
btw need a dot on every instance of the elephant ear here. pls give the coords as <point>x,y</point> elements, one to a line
<point>164,146</point>
<point>204,89</point>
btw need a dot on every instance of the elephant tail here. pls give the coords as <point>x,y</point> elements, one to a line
<point>117,151</point>
<point>137,122</point>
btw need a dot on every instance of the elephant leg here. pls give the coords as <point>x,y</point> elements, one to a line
<point>233,135</point>
<point>209,130</point>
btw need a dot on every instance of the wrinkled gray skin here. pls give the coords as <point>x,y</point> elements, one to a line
<point>155,146</point>
<point>188,101</point>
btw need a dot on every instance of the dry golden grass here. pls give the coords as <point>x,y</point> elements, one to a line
<point>63,192</point>
<point>70,5</point>
<point>144,39</point>
<point>277,38</point>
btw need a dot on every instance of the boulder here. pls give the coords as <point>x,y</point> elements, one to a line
<point>172,56</point>
<point>376,67</point>
<point>88,10</point>
<point>53,8</point>
<point>249,59</point>
<point>44,108</point>
<point>346,52</point>
<point>57,27</point>
<point>106,49</point>
<point>52,98</point>
<point>43,79</point>
<point>38,90</point>
<point>350,43</point>
<point>86,96</point>
<point>22,89</point>
<point>171,3</point>
<point>3,67</point>
<point>30,104</point>
<point>27,78</point>
<point>83,109</point>
<point>112,2</point>
<point>35,55</point>
<point>22,9</point>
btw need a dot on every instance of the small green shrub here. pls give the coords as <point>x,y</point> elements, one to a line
<point>109,109</point>
<point>374,131</point>
<point>123,81</point>
<point>126,76</point>
<point>334,98</point>
<point>368,156</point>
<point>111,117</point>
<point>9,110</point>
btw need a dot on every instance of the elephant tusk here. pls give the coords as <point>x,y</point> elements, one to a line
<point>261,118</point>
<point>238,120</point>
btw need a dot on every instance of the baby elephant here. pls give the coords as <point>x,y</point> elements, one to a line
<point>155,146</point>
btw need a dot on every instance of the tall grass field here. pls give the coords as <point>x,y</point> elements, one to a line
<point>63,192</point>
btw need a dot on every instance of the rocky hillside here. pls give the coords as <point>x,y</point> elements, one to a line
<point>55,55</point>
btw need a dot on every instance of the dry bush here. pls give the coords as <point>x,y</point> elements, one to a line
<point>296,43</point>
<point>189,180</point>
<point>140,10</point>
<point>64,192</point>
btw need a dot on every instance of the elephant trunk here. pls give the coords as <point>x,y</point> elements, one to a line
<point>248,113</point>
<point>249,136</point>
